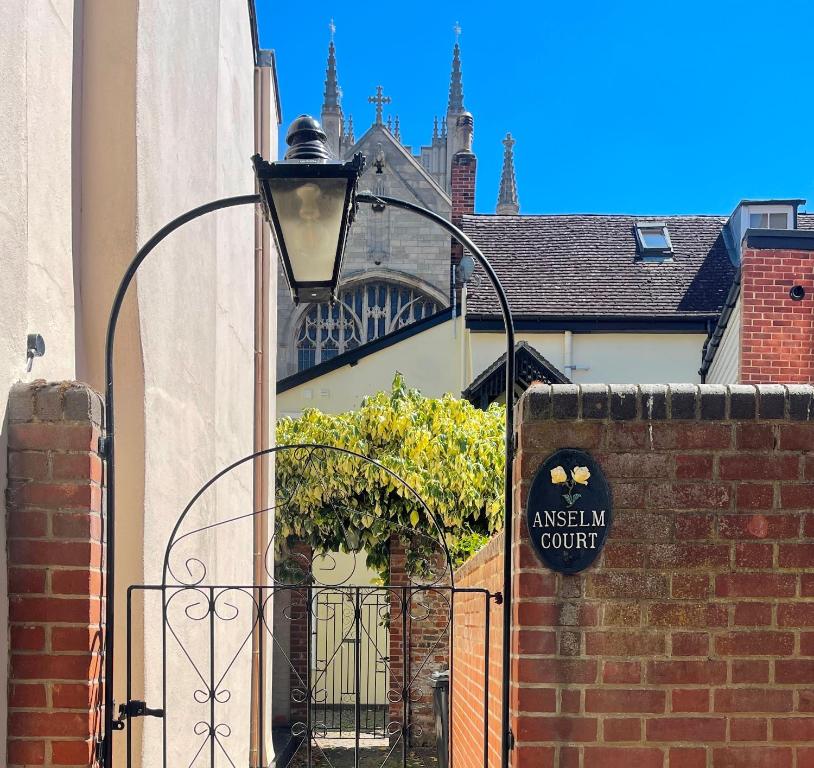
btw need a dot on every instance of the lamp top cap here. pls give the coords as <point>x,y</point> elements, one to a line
<point>306,140</point>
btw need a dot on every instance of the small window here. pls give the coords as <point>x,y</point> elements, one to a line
<point>654,240</point>
<point>768,221</point>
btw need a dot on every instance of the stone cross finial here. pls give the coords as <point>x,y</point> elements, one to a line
<point>379,100</point>
<point>332,28</point>
<point>457,30</point>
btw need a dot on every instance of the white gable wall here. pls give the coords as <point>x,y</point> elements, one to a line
<point>725,368</point>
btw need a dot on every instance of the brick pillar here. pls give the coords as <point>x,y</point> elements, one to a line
<point>777,332</point>
<point>428,615</point>
<point>54,526</point>
<point>301,553</point>
<point>462,178</point>
<point>398,578</point>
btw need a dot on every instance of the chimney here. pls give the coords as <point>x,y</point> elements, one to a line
<point>777,307</point>
<point>462,178</point>
<point>765,333</point>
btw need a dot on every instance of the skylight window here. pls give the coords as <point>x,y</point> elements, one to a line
<point>654,240</point>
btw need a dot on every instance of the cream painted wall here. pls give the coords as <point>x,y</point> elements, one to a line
<point>435,362</point>
<point>115,118</point>
<point>611,358</point>
<point>430,361</point>
<point>194,118</point>
<point>725,368</point>
<point>36,228</point>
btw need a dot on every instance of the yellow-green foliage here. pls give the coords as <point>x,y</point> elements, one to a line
<point>450,452</point>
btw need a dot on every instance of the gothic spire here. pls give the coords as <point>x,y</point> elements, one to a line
<point>456,88</point>
<point>351,139</point>
<point>332,98</point>
<point>507,203</point>
<point>397,132</point>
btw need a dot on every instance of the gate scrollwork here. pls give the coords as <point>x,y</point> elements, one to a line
<point>354,655</point>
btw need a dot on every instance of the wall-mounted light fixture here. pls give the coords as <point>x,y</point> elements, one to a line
<point>34,347</point>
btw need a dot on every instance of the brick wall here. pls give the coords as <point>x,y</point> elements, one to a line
<point>777,333</point>
<point>484,570</point>
<point>462,178</point>
<point>301,557</point>
<point>688,643</point>
<point>427,642</point>
<point>54,525</point>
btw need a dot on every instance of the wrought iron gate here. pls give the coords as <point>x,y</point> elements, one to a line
<point>304,664</point>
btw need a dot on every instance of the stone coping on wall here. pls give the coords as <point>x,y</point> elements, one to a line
<point>660,402</point>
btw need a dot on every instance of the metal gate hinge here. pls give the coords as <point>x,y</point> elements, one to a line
<point>104,443</point>
<point>498,598</point>
<point>510,736</point>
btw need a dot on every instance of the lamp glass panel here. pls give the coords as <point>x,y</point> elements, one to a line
<point>310,214</point>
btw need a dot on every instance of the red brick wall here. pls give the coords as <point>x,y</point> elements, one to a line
<point>428,613</point>
<point>691,642</point>
<point>484,570</point>
<point>462,178</point>
<point>297,614</point>
<point>54,526</point>
<point>777,336</point>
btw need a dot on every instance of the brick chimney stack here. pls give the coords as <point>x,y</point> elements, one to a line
<point>462,178</point>
<point>777,304</point>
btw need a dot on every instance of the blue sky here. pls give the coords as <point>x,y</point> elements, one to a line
<point>616,106</point>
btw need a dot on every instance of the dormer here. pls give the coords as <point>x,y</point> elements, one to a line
<point>761,214</point>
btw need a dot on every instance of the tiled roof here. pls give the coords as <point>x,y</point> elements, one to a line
<point>587,266</point>
<point>805,221</point>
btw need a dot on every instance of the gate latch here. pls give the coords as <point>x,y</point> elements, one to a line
<point>135,708</point>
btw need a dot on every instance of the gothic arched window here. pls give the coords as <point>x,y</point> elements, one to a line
<point>361,313</point>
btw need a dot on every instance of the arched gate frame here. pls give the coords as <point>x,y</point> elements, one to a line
<point>207,603</point>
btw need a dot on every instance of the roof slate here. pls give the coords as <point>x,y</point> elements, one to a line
<point>587,266</point>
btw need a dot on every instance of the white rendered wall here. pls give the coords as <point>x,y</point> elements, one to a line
<point>611,358</point>
<point>435,362</point>
<point>194,141</point>
<point>36,267</point>
<point>725,368</point>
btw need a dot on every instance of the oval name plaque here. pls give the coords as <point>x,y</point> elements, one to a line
<point>568,513</point>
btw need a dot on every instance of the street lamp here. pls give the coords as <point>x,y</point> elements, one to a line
<point>309,199</point>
